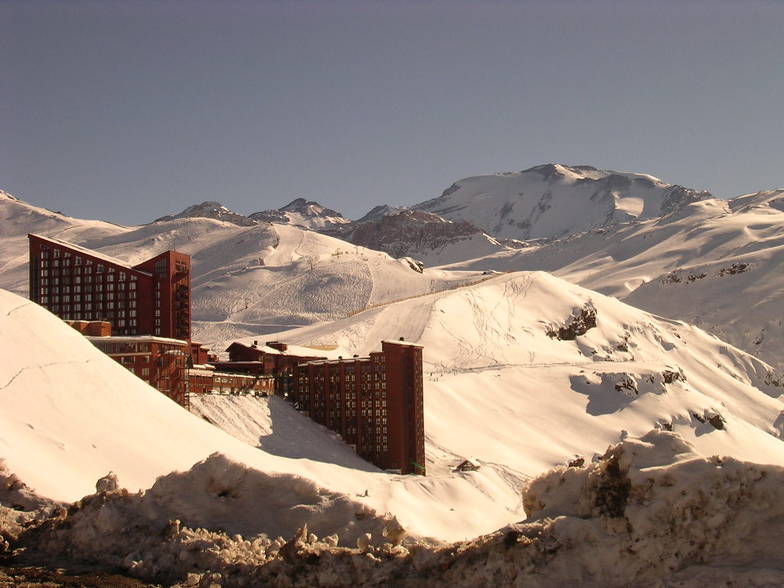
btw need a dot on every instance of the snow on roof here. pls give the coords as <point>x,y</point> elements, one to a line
<point>335,361</point>
<point>202,367</point>
<point>137,339</point>
<point>90,252</point>
<point>395,342</point>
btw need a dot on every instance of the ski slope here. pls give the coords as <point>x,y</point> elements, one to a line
<point>716,264</point>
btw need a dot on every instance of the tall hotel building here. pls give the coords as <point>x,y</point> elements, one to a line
<point>151,298</point>
<point>375,403</point>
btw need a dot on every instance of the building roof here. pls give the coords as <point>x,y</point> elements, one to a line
<point>136,339</point>
<point>409,344</point>
<point>335,361</point>
<point>90,252</point>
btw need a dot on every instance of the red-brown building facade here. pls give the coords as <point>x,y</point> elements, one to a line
<point>159,361</point>
<point>151,298</point>
<point>375,403</point>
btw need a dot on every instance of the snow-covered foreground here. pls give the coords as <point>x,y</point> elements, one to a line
<point>523,372</point>
<point>650,511</point>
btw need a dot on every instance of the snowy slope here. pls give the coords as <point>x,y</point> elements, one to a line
<point>716,264</point>
<point>499,389</point>
<point>247,280</point>
<point>69,414</point>
<point>555,200</point>
<point>272,424</point>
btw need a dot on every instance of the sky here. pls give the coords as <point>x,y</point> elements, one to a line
<point>127,111</point>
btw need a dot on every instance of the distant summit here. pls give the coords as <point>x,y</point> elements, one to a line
<point>210,209</point>
<point>555,200</point>
<point>303,213</point>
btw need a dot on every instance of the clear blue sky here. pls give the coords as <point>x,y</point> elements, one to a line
<point>130,110</point>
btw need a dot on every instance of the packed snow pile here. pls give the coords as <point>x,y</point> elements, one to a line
<point>650,510</point>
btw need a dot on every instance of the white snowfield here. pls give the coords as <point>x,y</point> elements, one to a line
<point>716,264</point>
<point>556,200</point>
<point>498,390</point>
<point>247,280</point>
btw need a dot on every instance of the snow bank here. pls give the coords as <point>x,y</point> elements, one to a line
<point>650,511</point>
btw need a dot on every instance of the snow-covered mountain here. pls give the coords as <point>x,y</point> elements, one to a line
<point>405,232</point>
<point>717,264</point>
<point>522,372</point>
<point>554,200</point>
<point>302,213</point>
<point>519,352</point>
<point>210,209</point>
<point>246,279</point>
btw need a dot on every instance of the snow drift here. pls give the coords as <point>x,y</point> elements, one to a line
<point>649,511</point>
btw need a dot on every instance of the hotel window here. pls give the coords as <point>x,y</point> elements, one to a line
<point>57,253</point>
<point>99,268</point>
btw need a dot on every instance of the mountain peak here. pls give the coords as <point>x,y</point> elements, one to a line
<point>210,209</point>
<point>302,212</point>
<point>555,200</point>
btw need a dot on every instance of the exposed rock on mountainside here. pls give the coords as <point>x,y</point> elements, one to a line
<point>303,213</point>
<point>404,232</point>
<point>210,209</point>
<point>555,200</point>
